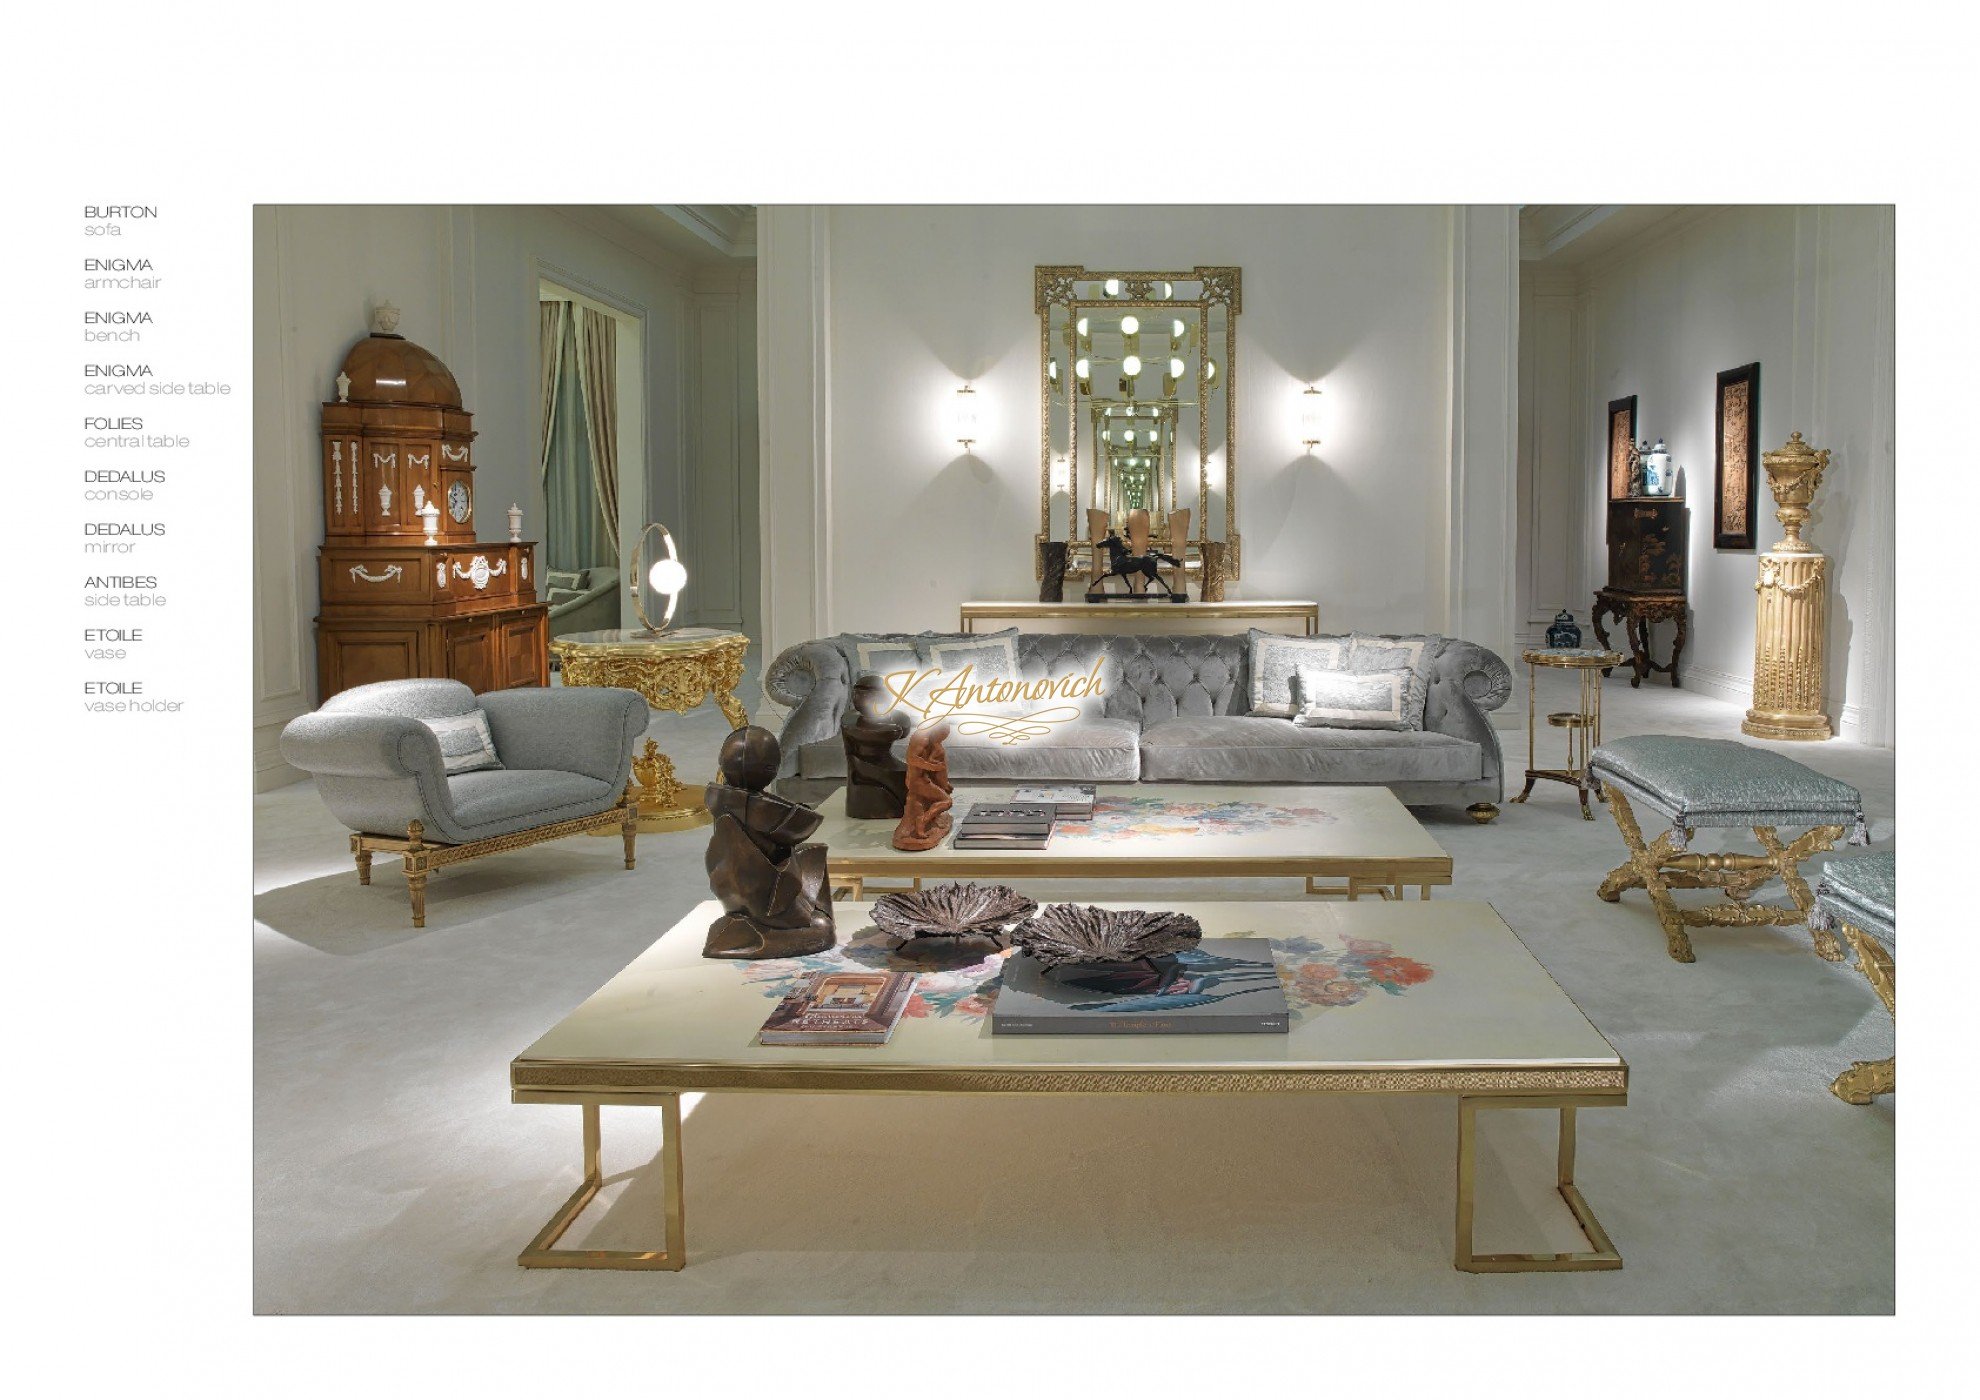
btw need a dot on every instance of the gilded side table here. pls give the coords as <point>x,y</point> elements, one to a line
<point>1583,725</point>
<point>675,670</point>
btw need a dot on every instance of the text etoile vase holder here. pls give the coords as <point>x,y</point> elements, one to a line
<point>1791,621</point>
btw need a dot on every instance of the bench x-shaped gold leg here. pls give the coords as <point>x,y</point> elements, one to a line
<point>542,1255</point>
<point>1659,867</point>
<point>1865,1079</point>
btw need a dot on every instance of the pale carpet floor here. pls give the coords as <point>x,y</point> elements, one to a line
<point>392,1174</point>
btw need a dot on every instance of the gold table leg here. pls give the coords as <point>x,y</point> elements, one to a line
<point>541,1253</point>
<point>1865,1079</point>
<point>1601,1253</point>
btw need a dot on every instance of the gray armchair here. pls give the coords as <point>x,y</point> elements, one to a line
<point>565,755</point>
<point>595,609</point>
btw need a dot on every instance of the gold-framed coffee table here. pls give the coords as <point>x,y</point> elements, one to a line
<point>1403,998</point>
<point>1363,838</point>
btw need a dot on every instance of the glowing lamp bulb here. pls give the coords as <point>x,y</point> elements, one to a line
<point>1131,366</point>
<point>1130,325</point>
<point>668,577</point>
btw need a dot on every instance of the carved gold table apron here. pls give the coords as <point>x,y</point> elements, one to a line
<point>1583,725</point>
<point>675,671</point>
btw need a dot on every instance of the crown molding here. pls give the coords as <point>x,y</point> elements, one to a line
<point>1679,221</point>
<point>730,229</point>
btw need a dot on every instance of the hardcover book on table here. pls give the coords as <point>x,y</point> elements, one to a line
<point>1068,801</point>
<point>840,1008</point>
<point>1003,826</point>
<point>1224,986</point>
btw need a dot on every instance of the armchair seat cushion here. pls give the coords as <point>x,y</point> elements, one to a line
<point>1719,782</point>
<point>1860,890</point>
<point>1263,749</point>
<point>498,801</point>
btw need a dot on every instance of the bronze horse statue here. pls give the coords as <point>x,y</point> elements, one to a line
<point>1141,572</point>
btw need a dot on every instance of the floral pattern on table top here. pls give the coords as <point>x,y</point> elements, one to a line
<point>1127,818</point>
<point>1317,977</point>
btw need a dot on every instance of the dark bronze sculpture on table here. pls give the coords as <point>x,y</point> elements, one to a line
<point>876,781</point>
<point>776,898</point>
<point>1052,571</point>
<point>929,791</point>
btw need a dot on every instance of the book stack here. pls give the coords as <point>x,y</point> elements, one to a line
<point>1070,802</point>
<point>840,1008</point>
<point>1004,826</point>
<point>1224,986</point>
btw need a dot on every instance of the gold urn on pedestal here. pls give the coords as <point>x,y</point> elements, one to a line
<point>1791,625</point>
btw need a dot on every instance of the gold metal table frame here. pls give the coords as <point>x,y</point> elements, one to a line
<point>1476,1089</point>
<point>1583,725</point>
<point>675,671</point>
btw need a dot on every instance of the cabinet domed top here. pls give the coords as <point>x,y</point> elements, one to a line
<point>386,368</point>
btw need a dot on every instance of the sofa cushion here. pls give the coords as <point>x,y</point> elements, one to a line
<point>1370,653</point>
<point>497,801</point>
<point>1092,751</point>
<point>1860,890</point>
<point>1351,700</point>
<point>1259,749</point>
<point>1276,661</point>
<point>466,746</point>
<point>1721,782</point>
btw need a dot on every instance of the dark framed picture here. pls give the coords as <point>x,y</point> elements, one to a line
<point>1737,435</point>
<point>1622,437</point>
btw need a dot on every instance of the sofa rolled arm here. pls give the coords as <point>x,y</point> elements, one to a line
<point>812,681</point>
<point>574,729</point>
<point>1470,682</point>
<point>1482,674</point>
<point>357,745</point>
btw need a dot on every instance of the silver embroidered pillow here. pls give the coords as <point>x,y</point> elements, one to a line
<point>1370,655</point>
<point>1276,662</point>
<point>1351,700</point>
<point>466,746</point>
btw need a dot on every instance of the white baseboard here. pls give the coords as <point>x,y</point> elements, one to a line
<point>1721,685</point>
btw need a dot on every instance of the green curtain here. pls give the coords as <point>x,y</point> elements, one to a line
<point>574,532</point>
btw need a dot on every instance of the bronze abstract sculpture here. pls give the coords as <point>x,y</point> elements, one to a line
<point>774,891</point>
<point>952,912</point>
<point>926,819</point>
<point>1087,935</point>
<point>876,781</point>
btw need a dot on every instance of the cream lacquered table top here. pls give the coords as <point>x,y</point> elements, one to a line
<point>1174,824</point>
<point>1408,996</point>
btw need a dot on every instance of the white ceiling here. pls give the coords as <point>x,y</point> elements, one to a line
<point>706,235</point>
<point>1564,236</point>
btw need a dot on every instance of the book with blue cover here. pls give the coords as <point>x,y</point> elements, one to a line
<point>1223,986</point>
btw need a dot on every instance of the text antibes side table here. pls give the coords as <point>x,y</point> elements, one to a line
<point>675,670</point>
<point>1583,725</point>
<point>1790,628</point>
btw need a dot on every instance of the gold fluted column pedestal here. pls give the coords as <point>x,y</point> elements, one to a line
<point>1791,622</point>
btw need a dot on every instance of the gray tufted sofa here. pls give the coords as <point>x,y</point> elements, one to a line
<point>1175,711</point>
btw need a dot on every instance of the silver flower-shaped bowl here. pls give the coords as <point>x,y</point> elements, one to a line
<point>954,910</point>
<point>1080,934</point>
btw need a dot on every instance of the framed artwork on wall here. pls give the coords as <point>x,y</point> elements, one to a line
<point>1737,435</point>
<point>1622,437</point>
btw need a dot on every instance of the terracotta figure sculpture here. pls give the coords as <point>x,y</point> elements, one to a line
<point>777,901</point>
<point>876,781</point>
<point>927,819</point>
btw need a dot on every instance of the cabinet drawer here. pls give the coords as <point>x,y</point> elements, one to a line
<point>375,577</point>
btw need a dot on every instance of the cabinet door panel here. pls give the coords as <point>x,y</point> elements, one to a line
<point>470,651</point>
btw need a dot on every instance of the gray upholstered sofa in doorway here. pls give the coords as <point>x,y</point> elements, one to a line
<point>1173,709</point>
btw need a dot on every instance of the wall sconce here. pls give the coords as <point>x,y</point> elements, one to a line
<point>1084,328</point>
<point>962,417</point>
<point>1178,334</point>
<point>1082,375</point>
<point>1173,377</point>
<point>1131,334</point>
<point>668,576</point>
<point>1209,373</point>
<point>1130,371</point>
<point>1061,475</point>
<point>1309,418</point>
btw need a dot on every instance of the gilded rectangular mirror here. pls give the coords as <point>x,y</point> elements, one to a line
<point>1137,389</point>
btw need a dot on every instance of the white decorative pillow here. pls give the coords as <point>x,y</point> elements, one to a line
<point>466,746</point>
<point>883,659</point>
<point>1369,655</point>
<point>1354,700</point>
<point>1276,661</point>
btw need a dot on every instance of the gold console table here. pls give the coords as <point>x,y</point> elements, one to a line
<point>1583,725</point>
<point>1296,617</point>
<point>675,671</point>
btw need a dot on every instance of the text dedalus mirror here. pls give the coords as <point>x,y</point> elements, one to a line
<point>1137,404</point>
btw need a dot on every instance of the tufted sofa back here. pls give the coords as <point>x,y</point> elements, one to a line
<point>1149,679</point>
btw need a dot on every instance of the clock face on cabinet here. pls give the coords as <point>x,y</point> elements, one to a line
<point>457,502</point>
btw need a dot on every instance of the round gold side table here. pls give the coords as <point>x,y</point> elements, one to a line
<point>675,670</point>
<point>1583,725</point>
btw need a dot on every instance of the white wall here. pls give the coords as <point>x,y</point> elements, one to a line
<point>1807,292</point>
<point>466,280</point>
<point>870,317</point>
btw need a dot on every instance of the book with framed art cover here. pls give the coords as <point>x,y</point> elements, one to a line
<point>1004,826</point>
<point>840,1007</point>
<point>1223,986</point>
<point>1068,801</point>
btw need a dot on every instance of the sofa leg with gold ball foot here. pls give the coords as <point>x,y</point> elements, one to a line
<point>1482,812</point>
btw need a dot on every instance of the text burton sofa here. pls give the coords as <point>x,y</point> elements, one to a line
<point>1173,709</point>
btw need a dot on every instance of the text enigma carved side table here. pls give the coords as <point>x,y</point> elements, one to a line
<point>675,671</point>
<point>1638,611</point>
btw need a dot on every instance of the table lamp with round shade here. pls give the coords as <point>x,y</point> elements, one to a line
<point>667,575</point>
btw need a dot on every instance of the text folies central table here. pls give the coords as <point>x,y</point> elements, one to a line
<point>1386,998</point>
<point>1361,837</point>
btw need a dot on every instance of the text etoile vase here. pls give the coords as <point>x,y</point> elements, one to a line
<point>1791,624</point>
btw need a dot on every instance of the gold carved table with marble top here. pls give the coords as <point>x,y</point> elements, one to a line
<point>676,670</point>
